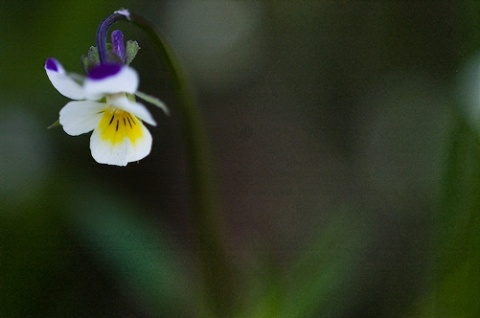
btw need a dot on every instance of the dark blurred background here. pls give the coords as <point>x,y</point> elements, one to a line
<point>315,109</point>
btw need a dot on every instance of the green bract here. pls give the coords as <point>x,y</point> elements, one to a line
<point>131,49</point>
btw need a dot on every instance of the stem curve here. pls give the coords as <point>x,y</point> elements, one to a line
<point>101,37</point>
<point>218,283</point>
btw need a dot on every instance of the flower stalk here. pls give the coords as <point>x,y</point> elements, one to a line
<point>207,218</point>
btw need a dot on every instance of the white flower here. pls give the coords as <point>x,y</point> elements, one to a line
<point>105,103</point>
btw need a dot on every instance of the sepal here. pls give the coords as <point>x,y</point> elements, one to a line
<point>90,60</point>
<point>132,48</point>
<point>54,125</point>
<point>154,101</point>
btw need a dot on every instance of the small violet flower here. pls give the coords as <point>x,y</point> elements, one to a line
<point>104,101</point>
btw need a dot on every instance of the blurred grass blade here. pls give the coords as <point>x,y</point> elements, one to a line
<point>457,282</point>
<point>135,253</point>
<point>455,279</point>
<point>322,269</point>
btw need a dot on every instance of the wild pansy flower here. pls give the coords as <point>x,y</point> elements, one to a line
<point>104,101</point>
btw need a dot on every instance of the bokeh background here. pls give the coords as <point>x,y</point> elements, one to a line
<point>345,138</point>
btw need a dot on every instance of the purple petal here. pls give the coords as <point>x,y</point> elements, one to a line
<point>51,64</point>
<point>118,46</point>
<point>103,71</point>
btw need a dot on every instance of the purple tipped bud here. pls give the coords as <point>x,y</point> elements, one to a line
<point>51,65</point>
<point>103,71</point>
<point>118,46</point>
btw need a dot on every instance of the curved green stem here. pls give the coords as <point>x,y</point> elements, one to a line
<point>207,216</point>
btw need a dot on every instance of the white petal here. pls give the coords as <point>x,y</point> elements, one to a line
<point>125,81</point>
<point>80,117</point>
<point>64,84</point>
<point>120,153</point>
<point>134,108</point>
<point>141,148</point>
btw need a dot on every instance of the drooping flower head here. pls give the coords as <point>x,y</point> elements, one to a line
<point>104,100</point>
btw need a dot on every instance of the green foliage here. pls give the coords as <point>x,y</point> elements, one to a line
<point>319,274</point>
<point>136,254</point>
<point>33,255</point>
<point>458,278</point>
<point>455,283</point>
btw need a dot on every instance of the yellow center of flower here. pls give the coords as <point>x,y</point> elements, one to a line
<point>116,125</point>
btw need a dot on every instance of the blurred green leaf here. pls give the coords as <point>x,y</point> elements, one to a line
<point>33,255</point>
<point>323,269</point>
<point>136,253</point>
<point>455,282</point>
<point>318,274</point>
